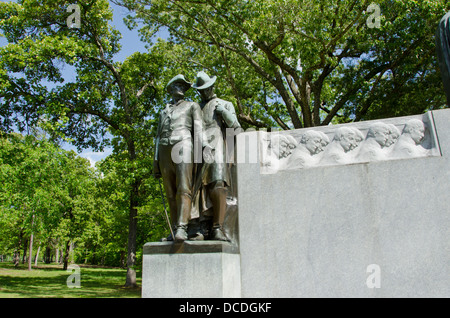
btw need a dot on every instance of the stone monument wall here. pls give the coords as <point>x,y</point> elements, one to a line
<point>354,210</point>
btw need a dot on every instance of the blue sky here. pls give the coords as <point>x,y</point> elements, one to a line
<point>130,44</point>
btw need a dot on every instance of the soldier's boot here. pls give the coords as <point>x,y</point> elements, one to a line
<point>184,209</point>
<point>218,234</point>
<point>218,197</point>
<point>181,233</point>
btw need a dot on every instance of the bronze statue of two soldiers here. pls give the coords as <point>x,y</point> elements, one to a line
<point>189,182</point>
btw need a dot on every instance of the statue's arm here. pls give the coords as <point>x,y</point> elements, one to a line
<point>229,116</point>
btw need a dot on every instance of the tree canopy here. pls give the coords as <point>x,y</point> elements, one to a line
<point>302,63</point>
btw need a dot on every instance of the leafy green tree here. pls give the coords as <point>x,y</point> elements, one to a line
<point>76,201</point>
<point>22,179</point>
<point>303,63</point>
<point>35,174</point>
<point>56,198</point>
<point>109,103</point>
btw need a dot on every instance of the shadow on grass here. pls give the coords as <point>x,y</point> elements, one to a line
<point>51,282</point>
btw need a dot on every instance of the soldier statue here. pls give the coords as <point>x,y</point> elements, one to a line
<point>214,177</point>
<point>174,153</point>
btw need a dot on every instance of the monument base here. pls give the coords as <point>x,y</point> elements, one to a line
<point>193,269</point>
<point>368,229</point>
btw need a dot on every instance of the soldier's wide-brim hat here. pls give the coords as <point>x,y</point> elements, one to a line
<point>203,81</point>
<point>179,79</point>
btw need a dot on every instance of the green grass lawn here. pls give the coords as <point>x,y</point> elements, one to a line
<point>50,281</point>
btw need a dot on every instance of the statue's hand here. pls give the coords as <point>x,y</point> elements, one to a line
<point>227,116</point>
<point>220,109</point>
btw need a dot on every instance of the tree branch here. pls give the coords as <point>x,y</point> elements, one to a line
<point>146,85</point>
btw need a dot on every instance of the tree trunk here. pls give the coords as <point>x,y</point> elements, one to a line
<point>30,257</point>
<point>47,255</point>
<point>93,259</point>
<point>37,256</point>
<point>66,255</point>
<point>131,258</point>
<point>132,229</point>
<point>122,259</point>
<point>16,258</point>
<point>25,246</point>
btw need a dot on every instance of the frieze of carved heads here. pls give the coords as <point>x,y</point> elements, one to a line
<point>403,138</point>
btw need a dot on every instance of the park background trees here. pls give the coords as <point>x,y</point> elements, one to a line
<point>283,63</point>
<point>53,200</point>
<point>46,195</point>
<point>109,104</point>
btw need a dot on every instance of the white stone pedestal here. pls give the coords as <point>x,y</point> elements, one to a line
<point>193,269</point>
<point>362,229</point>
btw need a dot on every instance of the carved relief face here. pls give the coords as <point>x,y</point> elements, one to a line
<point>314,143</point>
<point>349,141</point>
<point>418,134</point>
<point>381,136</point>
<point>393,135</point>
<point>281,147</point>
